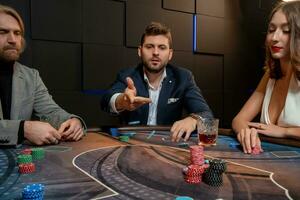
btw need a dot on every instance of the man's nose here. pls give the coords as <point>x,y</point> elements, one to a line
<point>156,51</point>
<point>11,37</point>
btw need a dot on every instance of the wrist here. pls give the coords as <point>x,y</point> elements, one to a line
<point>119,102</point>
<point>27,126</point>
<point>287,132</point>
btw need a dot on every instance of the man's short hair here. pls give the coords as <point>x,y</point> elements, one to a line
<point>156,28</point>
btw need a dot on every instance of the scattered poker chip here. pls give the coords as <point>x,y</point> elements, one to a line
<point>234,144</point>
<point>26,168</point>
<point>33,191</point>
<point>183,144</point>
<point>24,158</point>
<point>124,138</point>
<point>26,151</point>
<point>255,150</point>
<point>183,198</point>
<point>37,153</point>
<point>185,170</point>
<point>114,132</point>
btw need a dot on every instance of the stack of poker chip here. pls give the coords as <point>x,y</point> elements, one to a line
<point>37,153</point>
<point>33,191</point>
<point>25,164</point>
<point>197,155</point>
<point>193,172</point>
<point>213,175</point>
<point>26,158</point>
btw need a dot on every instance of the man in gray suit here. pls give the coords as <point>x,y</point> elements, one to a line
<point>23,94</point>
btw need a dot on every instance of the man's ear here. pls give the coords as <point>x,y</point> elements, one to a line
<point>139,51</point>
<point>170,54</point>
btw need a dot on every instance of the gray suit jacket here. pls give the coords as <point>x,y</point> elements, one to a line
<point>29,97</point>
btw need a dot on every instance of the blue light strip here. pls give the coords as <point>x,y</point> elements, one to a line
<point>194,33</point>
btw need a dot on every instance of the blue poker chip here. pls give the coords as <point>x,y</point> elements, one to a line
<point>33,191</point>
<point>183,198</point>
<point>234,144</point>
<point>114,132</point>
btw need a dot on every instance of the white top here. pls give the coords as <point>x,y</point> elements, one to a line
<point>290,114</point>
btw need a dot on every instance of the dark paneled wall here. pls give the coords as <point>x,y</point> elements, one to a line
<point>79,46</point>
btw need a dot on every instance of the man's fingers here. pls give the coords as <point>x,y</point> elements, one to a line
<point>187,135</point>
<point>62,127</point>
<point>142,100</point>
<point>130,83</point>
<point>78,135</point>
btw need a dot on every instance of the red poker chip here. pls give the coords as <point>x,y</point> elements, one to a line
<point>197,155</point>
<point>26,151</point>
<point>26,168</point>
<point>193,180</point>
<point>195,170</point>
<point>255,150</point>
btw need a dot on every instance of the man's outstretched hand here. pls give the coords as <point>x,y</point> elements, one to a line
<point>128,100</point>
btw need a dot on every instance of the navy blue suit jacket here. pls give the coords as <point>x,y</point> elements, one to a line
<point>179,91</point>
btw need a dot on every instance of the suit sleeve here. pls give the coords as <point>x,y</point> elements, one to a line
<point>118,86</point>
<point>9,132</point>
<point>45,107</point>
<point>194,101</point>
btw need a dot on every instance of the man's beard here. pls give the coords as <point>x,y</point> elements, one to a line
<point>153,70</point>
<point>8,57</point>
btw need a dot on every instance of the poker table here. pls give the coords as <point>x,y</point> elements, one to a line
<point>149,166</point>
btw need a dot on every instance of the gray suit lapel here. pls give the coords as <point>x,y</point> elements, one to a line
<point>17,85</point>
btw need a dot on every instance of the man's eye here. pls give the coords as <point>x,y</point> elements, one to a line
<point>3,31</point>
<point>18,33</point>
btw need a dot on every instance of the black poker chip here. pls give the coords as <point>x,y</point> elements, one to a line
<point>213,179</point>
<point>217,165</point>
<point>213,175</point>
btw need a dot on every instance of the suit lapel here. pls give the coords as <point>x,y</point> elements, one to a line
<point>165,93</point>
<point>17,85</point>
<point>142,91</point>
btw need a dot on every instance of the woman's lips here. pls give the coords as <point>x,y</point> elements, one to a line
<point>276,49</point>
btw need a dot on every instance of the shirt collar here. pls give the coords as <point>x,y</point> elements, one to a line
<point>164,75</point>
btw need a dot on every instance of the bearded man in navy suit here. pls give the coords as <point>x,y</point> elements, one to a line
<point>155,92</point>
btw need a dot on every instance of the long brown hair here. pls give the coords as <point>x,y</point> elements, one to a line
<point>292,12</point>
